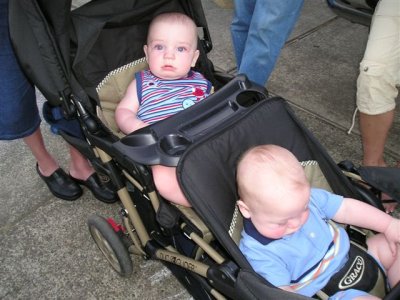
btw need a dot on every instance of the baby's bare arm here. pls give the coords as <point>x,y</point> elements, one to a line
<point>358,213</point>
<point>126,111</point>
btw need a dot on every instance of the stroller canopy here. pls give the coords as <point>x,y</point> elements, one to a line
<point>64,51</point>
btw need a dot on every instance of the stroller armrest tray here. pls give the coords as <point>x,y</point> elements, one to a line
<point>164,142</point>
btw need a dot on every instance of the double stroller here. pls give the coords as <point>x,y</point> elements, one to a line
<point>82,62</point>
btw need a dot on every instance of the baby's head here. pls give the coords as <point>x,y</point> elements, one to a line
<point>273,190</point>
<point>171,48</point>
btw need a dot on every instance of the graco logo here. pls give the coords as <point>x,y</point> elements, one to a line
<point>354,274</point>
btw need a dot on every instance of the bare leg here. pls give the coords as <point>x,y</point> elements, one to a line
<point>79,166</point>
<point>374,132</point>
<point>46,162</point>
<point>378,246</point>
<point>393,272</point>
<point>167,184</point>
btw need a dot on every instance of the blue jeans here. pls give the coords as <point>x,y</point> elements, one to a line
<point>259,30</point>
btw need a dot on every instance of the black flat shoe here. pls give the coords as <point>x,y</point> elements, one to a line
<point>61,185</point>
<point>101,192</point>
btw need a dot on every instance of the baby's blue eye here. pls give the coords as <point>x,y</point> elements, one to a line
<point>158,47</point>
<point>181,49</point>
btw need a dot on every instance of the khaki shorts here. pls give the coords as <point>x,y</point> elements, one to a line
<point>380,67</point>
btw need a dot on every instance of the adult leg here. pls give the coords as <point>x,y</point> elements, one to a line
<point>19,115</point>
<point>46,162</point>
<point>376,83</point>
<point>240,25</point>
<point>270,26</point>
<point>374,132</point>
<point>79,166</point>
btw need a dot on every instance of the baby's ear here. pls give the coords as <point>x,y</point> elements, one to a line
<point>195,57</point>
<point>145,50</point>
<point>244,209</point>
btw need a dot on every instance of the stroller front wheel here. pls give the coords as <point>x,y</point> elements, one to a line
<point>110,244</point>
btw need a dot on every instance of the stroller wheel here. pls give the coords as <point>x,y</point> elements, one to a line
<point>110,244</point>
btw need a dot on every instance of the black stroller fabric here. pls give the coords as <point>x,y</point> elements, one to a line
<point>43,27</point>
<point>383,178</point>
<point>122,27</point>
<point>72,51</point>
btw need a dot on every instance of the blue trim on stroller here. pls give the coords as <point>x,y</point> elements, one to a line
<point>57,121</point>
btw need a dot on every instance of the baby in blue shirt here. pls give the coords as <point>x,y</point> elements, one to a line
<point>287,236</point>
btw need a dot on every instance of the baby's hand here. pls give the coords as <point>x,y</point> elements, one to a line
<point>392,234</point>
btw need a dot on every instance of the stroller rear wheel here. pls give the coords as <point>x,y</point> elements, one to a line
<point>110,244</point>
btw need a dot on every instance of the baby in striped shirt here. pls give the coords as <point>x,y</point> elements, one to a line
<point>168,87</point>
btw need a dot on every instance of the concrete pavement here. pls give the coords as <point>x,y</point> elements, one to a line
<point>46,251</point>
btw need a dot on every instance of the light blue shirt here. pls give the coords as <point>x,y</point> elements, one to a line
<point>287,259</point>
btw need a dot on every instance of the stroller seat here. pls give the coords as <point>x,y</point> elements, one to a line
<point>211,187</point>
<point>110,91</point>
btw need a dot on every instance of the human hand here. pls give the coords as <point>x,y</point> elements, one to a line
<point>392,234</point>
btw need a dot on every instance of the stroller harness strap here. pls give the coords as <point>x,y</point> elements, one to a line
<point>360,271</point>
<point>312,273</point>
